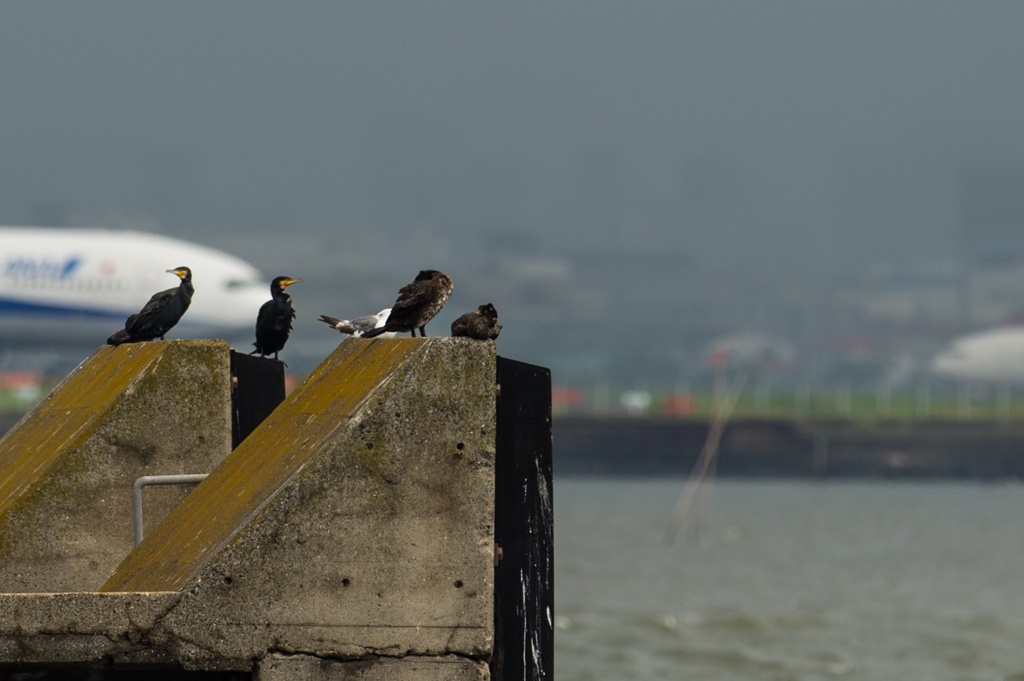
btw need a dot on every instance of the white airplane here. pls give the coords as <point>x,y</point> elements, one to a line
<point>994,356</point>
<point>74,287</point>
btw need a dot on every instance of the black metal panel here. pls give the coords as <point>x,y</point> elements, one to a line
<point>524,579</point>
<point>257,387</point>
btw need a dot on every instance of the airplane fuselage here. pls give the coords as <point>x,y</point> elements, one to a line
<point>995,356</point>
<point>76,286</point>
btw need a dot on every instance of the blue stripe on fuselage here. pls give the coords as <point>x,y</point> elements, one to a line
<point>21,307</point>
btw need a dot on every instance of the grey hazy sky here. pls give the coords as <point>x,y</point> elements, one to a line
<point>813,136</point>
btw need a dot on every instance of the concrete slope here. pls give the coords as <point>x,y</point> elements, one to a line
<point>67,468</point>
<point>356,520</point>
<point>259,467</point>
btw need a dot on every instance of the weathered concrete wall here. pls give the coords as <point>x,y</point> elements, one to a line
<point>350,536</point>
<point>355,522</point>
<point>97,630</point>
<point>86,629</point>
<point>308,668</point>
<point>67,468</point>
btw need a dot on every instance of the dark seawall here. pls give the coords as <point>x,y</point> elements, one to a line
<point>624,447</point>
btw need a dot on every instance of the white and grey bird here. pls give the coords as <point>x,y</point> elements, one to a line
<point>360,325</point>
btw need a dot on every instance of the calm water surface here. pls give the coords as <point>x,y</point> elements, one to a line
<point>791,581</point>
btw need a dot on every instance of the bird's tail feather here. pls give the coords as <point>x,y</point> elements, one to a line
<point>118,337</point>
<point>376,332</point>
<point>343,325</point>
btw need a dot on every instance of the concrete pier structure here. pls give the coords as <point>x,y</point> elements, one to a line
<point>351,535</point>
<point>128,411</point>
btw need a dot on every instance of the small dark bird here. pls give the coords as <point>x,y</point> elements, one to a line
<point>417,304</point>
<point>360,325</point>
<point>160,314</point>
<point>274,322</point>
<point>481,324</point>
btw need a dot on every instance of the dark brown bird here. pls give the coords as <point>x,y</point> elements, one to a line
<point>274,322</point>
<point>417,304</point>
<point>160,314</point>
<point>481,324</point>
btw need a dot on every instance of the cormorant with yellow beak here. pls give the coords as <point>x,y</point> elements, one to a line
<point>160,314</point>
<point>274,322</point>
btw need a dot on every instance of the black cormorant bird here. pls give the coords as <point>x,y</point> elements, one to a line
<point>274,321</point>
<point>481,324</point>
<point>360,325</point>
<point>417,304</point>
<point>160,314</point>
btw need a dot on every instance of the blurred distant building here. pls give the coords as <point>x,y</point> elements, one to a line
<point>757,352</point>
<point>914,300</point>
<point>991,243</point>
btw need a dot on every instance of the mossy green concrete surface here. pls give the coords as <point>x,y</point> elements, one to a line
<point>356,521</point>
<point>67,468</point>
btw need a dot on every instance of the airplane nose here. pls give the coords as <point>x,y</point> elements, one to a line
<point>941,363</point>
<point>249,304</point>
<point>239,308</point>
<point>949,363</point>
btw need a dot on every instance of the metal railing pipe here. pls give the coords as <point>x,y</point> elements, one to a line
<point>147,480</point>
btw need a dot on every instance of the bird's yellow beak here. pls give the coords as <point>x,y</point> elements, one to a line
<point>180,273</point>
<point>289,282</point>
